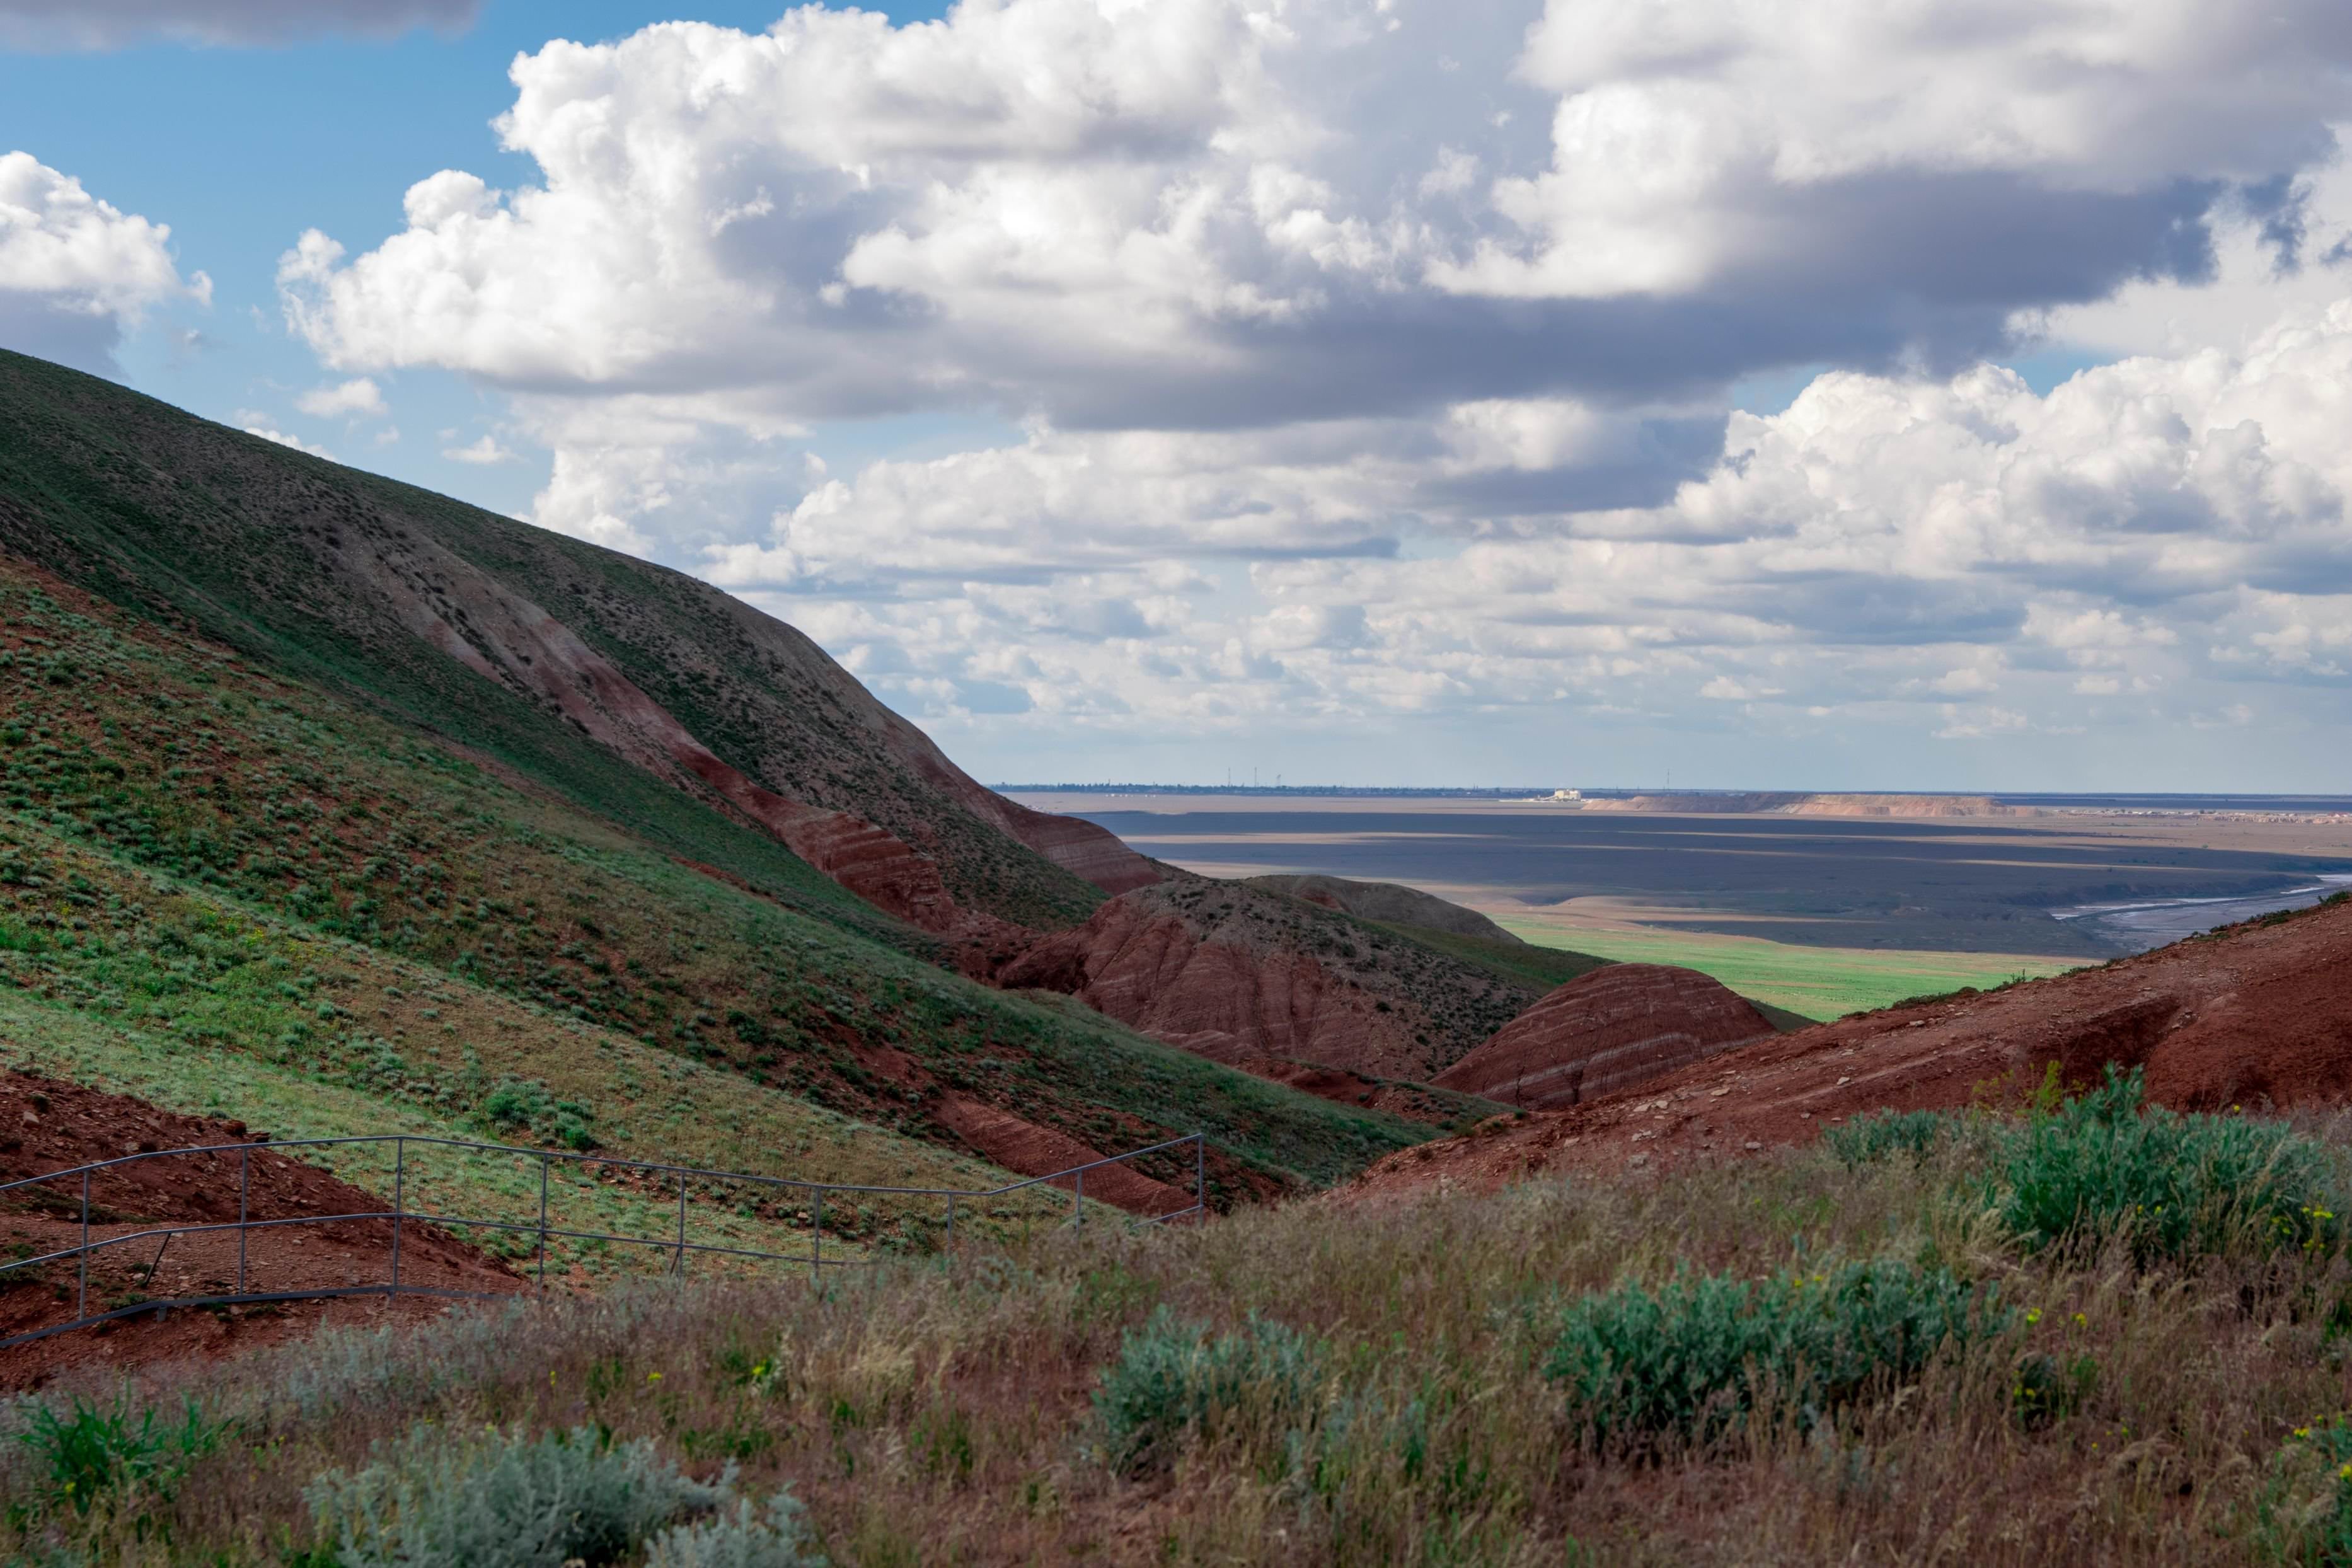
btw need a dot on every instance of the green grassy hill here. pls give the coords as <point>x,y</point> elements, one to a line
<point>221,799</point>
<point>361,585</point>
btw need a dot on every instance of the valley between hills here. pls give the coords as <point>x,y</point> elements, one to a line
<point>332,808</point>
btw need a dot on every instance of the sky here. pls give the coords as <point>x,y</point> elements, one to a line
<point>1778,394</point>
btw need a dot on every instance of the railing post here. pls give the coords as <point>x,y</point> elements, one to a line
<point>816,1237</point>
<point>542,1224</point>
<point>1078,1202</point>
<point>399,1204</point>
<point>81,1302</point>
<point>952,1197</point>
<point>681,1225</point>
<point>1201,1175</point>
<point>244,1186</point>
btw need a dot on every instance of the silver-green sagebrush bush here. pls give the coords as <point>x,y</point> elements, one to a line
<point>2174,1187</point>
<point>1174,1379</point>
<point>742,1537</point>
<point>504,1499</point>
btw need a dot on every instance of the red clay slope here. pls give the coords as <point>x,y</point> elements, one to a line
<point>47,1125</point>
<point>507,638</point>
<point>1234,972</point>
<point>1604,1032</point>
<point>2259,1015</point>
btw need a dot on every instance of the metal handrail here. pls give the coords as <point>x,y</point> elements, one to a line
<point>400,1215</point>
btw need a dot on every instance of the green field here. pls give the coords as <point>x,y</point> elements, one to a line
<point>1818,981</point>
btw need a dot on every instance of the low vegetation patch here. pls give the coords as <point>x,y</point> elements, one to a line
<point>87,1453</point>
<point>1885,1134</point>
<point>504,1499</point>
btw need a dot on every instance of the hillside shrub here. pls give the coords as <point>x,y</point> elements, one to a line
<point>1173,1377</point>
<point>526,1105</point>
<point>2172,1187</point>
<point>775,1537</point>
<point>1883,1135</point>
<point>504,1501</point>
<point>93,1450</point>
<point>2046,1389</point>
<point>1693,1357</point>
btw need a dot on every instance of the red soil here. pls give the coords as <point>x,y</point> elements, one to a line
<point>1237,975</point>
<point>504,638</point>
<point>47,1125</point>
<point>1227,1000</point>
<point>1410,1101</point>
<point>2259,1015</point>
<point>1033,1151</point>
<point>1604,1032</point>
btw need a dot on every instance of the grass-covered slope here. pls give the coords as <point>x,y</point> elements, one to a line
<point>339,578</point>
<point>2087,1336</point>
<point>1533,968</point>
<point>155,787</point>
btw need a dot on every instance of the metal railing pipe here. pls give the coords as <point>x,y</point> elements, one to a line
<point>678,1244</point>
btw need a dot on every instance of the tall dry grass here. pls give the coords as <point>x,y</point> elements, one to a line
<point>946,1412</point>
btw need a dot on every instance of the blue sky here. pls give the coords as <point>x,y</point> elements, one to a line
<point>241,148</point>
<point>1383,390</point>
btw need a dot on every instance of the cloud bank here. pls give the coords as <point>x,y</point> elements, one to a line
<point>108,23</point>
<point>1370,356</point>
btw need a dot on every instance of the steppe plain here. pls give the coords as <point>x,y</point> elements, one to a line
<point>1820,914</point>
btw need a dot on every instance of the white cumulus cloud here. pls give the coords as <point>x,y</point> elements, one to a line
<point>483,452</point>
<point>1345,358</point>
<point>75,272</point>
<point>359,398</point>
<point>1220,212</point>
<point>283,439</point>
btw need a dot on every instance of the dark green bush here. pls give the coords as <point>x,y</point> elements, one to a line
<point>528,1105</point>
<point>1173,1377</point>
<point>2172,1187</point>
<point>95,1449</point>
<point>1693,1357</point>
<point>1881,1134</point>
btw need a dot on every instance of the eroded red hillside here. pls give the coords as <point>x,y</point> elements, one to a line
<point>2259,1015</point>
<point>1235,972</point>
<point>1604,1032</point>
